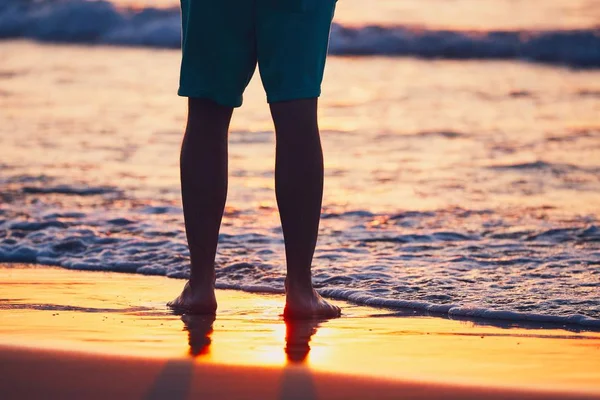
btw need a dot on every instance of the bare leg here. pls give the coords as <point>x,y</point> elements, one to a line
<point>299,190</point>
<point>203,167</point>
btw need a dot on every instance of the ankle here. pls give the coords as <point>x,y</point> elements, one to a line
<point>202,281</point>
<point>298,286</point>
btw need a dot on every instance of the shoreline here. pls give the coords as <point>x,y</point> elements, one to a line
<point>402,308</point>
<point>93,319</point>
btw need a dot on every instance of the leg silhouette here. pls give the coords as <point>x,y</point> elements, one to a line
<point>203,166</point>
<point>299,191</point>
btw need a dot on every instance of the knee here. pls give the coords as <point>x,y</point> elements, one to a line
<point>209,114</point>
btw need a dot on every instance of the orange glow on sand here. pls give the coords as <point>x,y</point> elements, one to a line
<point>120,314</point>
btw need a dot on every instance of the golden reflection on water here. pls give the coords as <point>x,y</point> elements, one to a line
<point>375,115</point>
<point>200,329</point>
<point>123,314</point>
<point>297,339</point>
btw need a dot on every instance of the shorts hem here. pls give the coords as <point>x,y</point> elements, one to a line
<point>207,94</point>
<point>288,96</point>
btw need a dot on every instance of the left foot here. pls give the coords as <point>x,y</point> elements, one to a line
<point>195,300</point>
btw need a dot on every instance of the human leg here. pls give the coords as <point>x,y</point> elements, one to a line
<point>299,192</point>
<point>203,171</point>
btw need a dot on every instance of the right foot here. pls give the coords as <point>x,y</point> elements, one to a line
<point>306,304</point>
<point>195,300</point>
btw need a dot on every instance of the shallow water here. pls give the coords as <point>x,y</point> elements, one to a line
<point>469,188</point>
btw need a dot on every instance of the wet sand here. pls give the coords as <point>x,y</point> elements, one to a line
<point>95,334</point>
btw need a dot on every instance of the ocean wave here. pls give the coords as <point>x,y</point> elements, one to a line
<point>546,166</point>
<point>576,48</point>
<point>70,190</point>
<point>101,22</point>
<point>455,310</point>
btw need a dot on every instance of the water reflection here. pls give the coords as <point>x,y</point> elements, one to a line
<point>200,329</point>
<point>297,338</point>
<point>491,322</point>
<point>297,382</point>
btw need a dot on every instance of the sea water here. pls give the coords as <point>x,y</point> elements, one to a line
<point>462,152</point>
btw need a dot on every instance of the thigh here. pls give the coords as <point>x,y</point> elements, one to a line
<point>218,49</point>
<point>292,38</point>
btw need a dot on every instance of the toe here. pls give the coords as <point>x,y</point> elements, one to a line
<point>336,311</point>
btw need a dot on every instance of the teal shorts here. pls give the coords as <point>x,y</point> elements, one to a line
<point>223,40</point>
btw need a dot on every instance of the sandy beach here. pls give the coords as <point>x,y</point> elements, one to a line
<point>82,334</point>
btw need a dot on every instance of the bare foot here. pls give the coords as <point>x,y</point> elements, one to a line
<point>305,304</point>
<point>195,300</point>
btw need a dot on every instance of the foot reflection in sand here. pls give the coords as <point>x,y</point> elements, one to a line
<point>297,382</point>
<point>200,329</point>
<point>297,338</point>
